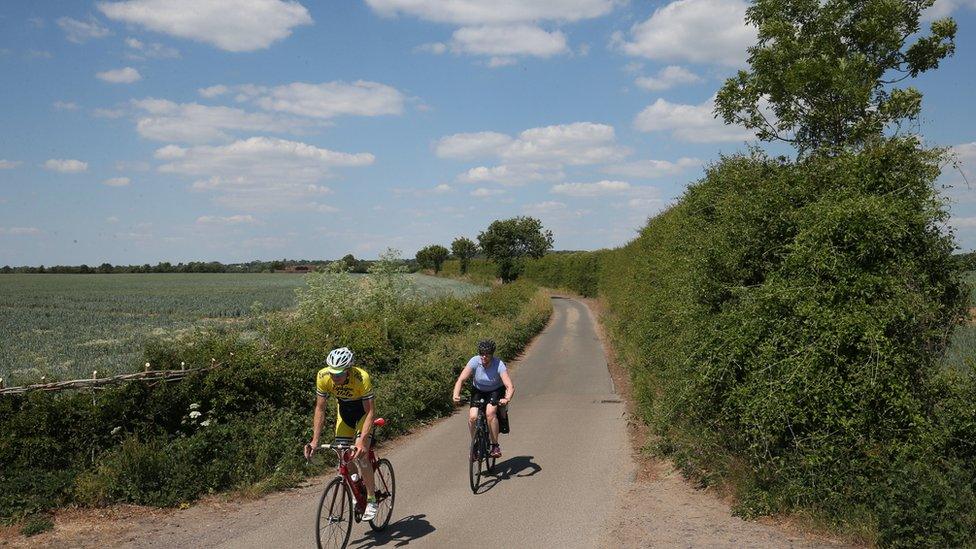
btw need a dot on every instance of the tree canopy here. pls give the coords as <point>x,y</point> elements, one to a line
<point>464,249</point>
<point>432,257</point>
<point>823,72</point>
<point>508,242</point>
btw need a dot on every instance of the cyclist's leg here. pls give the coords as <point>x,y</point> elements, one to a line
<point>492,412</point>
<point>346,434</point>
<point>473,410</point>
<point>366,471</point>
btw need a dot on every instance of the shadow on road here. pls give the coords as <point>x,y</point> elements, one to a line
<point>518,466</point>
<point>399,533</point>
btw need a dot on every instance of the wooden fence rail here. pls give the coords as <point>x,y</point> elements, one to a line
<point>96,382</point>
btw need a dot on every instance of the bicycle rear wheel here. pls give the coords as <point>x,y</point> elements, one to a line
<point>386,486</point>
<point>474,465</point>
<point>334,521</point>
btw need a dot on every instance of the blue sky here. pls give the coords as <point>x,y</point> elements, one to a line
<point>140,131</point>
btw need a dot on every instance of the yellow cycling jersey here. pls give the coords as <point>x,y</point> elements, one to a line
<point>350,395</point>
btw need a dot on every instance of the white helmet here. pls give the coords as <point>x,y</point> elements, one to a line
<point>338,360</point>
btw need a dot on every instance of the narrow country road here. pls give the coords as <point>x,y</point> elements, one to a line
<point>567,479</point>
<point>563,463</point>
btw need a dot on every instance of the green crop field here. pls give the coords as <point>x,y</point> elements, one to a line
<point>962,351</point>
<point>66,326</point>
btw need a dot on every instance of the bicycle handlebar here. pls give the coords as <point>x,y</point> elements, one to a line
<point>334,446</point>
<point>467,400</point>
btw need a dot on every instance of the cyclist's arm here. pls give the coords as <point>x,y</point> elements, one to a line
<point>509,387</point>
<point>319,419</point>
<point>462,377</point>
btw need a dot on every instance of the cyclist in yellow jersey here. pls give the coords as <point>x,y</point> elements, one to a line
<point>354,414</point>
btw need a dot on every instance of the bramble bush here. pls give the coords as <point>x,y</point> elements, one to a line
<point>243,423</point>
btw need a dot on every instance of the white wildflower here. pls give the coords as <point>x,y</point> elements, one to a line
<point>116,430</point>
<point>205,423</point>
<point>195,414</point>
<point>195,406</point>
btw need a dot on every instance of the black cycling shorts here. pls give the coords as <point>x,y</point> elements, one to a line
<point>491,396</point>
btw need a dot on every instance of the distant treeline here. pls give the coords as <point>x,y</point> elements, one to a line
<point>296,265</point>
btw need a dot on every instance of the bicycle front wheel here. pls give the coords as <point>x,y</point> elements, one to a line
<point>334,522</point>
<point>386,486</point>
<point>474,462</point>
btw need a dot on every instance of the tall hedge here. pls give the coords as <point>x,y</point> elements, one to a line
<point>785,322</point>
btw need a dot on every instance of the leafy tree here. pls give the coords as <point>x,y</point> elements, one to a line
<point>822,74</point>
<point>432,257</point>
<point>464,249</point>
<point>508,242</point>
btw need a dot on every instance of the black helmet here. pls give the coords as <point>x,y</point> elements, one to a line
<point>486,347</point>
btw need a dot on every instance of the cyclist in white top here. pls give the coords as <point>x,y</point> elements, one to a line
<point>490,382</point>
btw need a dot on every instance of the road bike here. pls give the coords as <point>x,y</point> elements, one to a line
<point>344,499</point>
<point>481,461</point>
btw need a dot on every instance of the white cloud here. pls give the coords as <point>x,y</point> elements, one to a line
<point>272,242</point>
<point>108,113</point>
<point>965,154</point>
<point>80,32</point>
<point>649,169</point>
<point>443,188</point>
<point>467,146</point>
<point>19,231</point>
<point>245,25</point>
<point>436,48</point>
<point>9,164</point>
<point>515,174</point>
<point>65,106</point>
<point>154,50</point>
<point>228,220</point>
<point>575,144</point>
<point>126,75</point>
<point>496,62</point>
<point>667,78</point>
<point>694,123</point>
<point>112,219</point>
<point>508,40</point>
<point>698,31</point>
<point>170,152</point>
<point>164,120</point>
<point>213,91</point>
<point>328,99</point>
<point>647,205</point>
<point>117,181</point>
<point>963,222</point>
<point>943,8</point>
<point>588,190</point>
<point>537,154</point>
<point>482,192</point>
<point>542,208</point>
<point>260,173</point>
<point>480,12</point>
<point>65,165</point>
